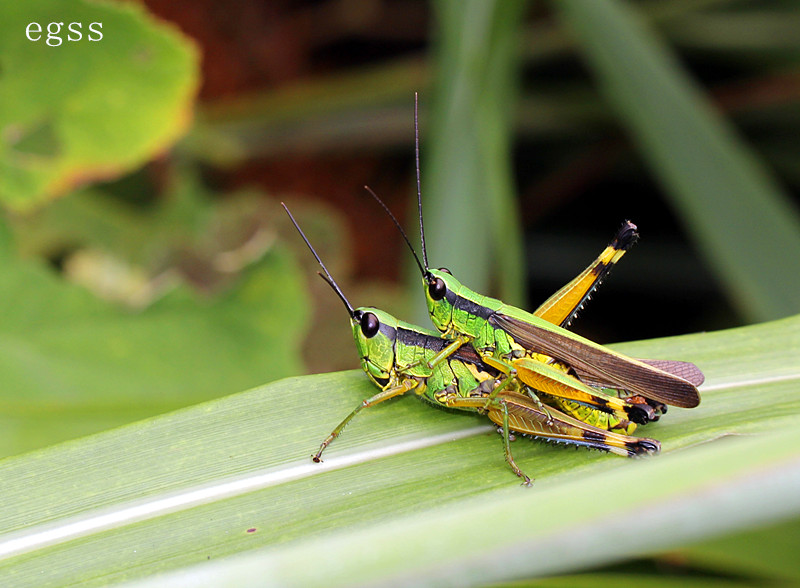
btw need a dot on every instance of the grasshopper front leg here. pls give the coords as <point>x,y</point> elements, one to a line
<point>381,396</point>
<point>454,346</point>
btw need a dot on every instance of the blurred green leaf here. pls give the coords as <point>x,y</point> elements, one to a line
<point>767,31</point>
<point>409,493</point>
<point>85,110</point>
<point>468,193</point>
<point>187,219</point>
<point>364,108</point>
<point>629,580</point>
<point>72,364</point>
<point>369,107</point>
<point>743,222</point>
<point>762,552</point>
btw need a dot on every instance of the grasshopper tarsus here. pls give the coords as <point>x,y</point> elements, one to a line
<point>659,407</point>
<point>626,236</point>
<point>526,480</point>
<point>647,446</point>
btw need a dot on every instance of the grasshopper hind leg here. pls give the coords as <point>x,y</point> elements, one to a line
<point>524,417</point>
<point>563,306</point>
<point>498,411</point>
<point>517,413</point>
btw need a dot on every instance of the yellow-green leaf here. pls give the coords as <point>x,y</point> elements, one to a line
<point>86,109</point>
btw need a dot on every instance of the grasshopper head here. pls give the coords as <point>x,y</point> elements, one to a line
<point>374,332</point>
<point>438,284</point>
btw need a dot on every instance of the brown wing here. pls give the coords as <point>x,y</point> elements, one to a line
<point>683,369</point>
<point>600,363</point>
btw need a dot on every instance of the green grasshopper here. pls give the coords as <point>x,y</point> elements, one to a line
<point>396,356</point>
<point>556,387</point>
<point>539,350</point>
<point>503,332</point>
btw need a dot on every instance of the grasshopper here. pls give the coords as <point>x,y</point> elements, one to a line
<point>503,332</point>
<point>552,380</point>
<point>396,356</point>
<point>555,379</point>
<point>539,350</point>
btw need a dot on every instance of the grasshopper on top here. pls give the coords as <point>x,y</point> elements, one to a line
<point>502,331</point>
<point>396,356</point>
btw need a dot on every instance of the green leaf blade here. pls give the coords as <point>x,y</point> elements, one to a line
<point>408,493</point>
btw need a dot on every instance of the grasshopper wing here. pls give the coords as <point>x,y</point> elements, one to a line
<point>601,364</point>
<point>683,369</point>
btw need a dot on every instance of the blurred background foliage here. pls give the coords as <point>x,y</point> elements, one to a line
<point>543,127</point>
<point>146,264</point>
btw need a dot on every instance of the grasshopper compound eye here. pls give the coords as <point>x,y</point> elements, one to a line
<point>445,270</point>
<point>437,288</point>
<point>369,325</point>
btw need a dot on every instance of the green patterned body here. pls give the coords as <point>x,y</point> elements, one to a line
<point>509,333</point>
<point>401,358</point>
<point>402,350</point>
<point>398,356</point>
<point>465,312</point>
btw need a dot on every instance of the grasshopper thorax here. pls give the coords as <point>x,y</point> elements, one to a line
<point>455,310</point>
<point>375,332</point>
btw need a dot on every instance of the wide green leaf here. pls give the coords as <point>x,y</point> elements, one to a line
<point>71,364</point>
<point>408,493</point>
<point>72,111</point>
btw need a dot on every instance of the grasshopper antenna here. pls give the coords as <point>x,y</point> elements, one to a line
<point>399,228</point>
<point>419,184</point>
<point>327,277</point>
<point>335,287</point>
